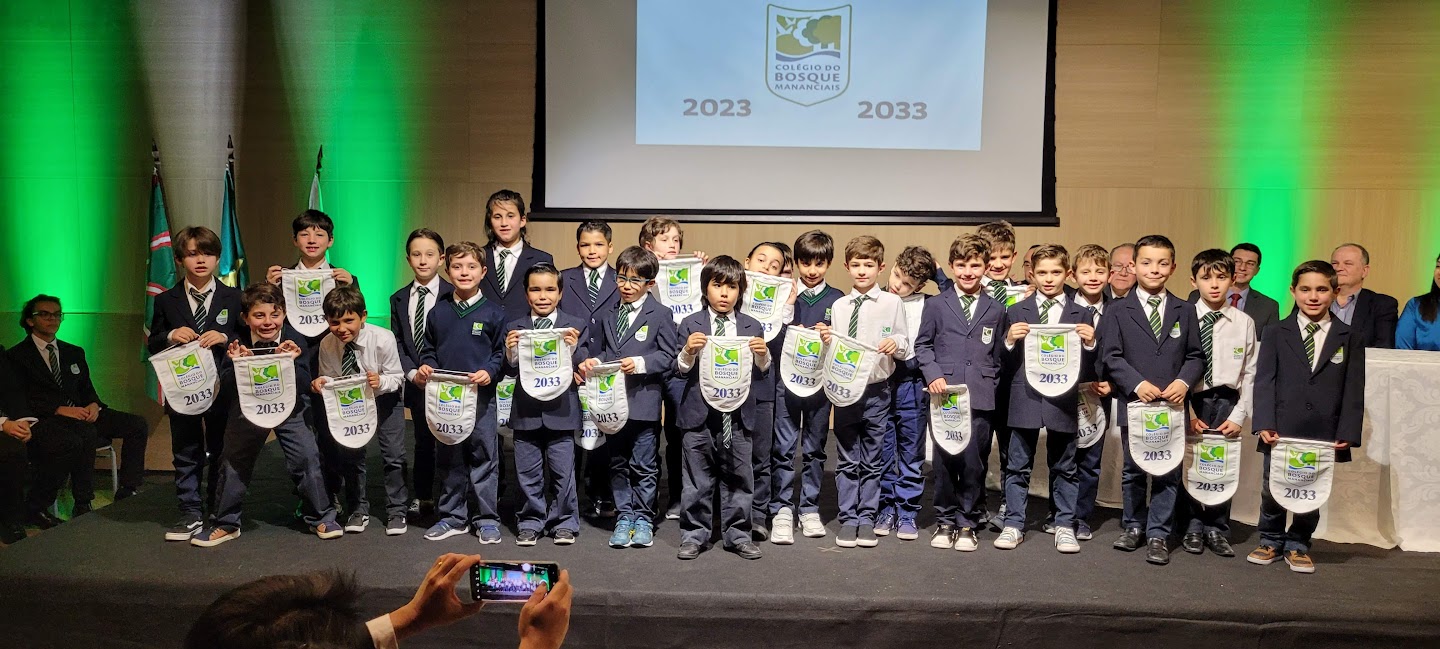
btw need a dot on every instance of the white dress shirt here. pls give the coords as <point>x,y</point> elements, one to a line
<point>685,360</point>
<point>635,308</point>
<point>881,316</point>
<point>1145,296</point>
<point>913,305</point>
<point>814,290</point>
<point>511,260</point>
<point>1234,351</point>
<point>1099,306</point>
<point>375,351</point>
<point>209,291</point>
<point>1303,320</point>
<point>434,288</point>
<point>43,347</point>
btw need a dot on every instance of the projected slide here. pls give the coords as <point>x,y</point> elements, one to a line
<point>869,74</point>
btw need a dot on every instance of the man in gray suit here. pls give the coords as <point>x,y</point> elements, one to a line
<point>1259,306</point>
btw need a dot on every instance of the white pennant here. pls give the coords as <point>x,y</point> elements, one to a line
<point>305,292</point>
<point>1052,358</point>
<point>546,368</point>
<point>187,377</point>
<point>504,397</point>
<point>266,386</point>
<point>450,404</point>
<point>1093,420</point>
<point>350,410</point>
<point>725,371</point>
<point>1300,474</point>
<point>1015,293</point>
<point>1213,475</point>
<point>768,295</point>
<point>678,285</point>
<point>801,369</point>
<point>848,365</point>
<point>950,419</point>
<point>1157,436</point>
<point>589,436</point>
<point>604,393</point>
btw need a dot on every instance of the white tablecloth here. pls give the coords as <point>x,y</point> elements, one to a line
<point>1387,496</point>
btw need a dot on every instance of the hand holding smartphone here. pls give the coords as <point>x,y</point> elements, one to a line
<point>511,581</point>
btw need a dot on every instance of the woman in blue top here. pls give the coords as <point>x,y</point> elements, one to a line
<point>1418,328</point>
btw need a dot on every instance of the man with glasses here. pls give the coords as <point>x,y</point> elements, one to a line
<point>1122,271</point>
<point>73,421</point>
<point>1259,306</point>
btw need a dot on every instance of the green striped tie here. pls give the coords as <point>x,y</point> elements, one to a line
<point>1310,330</point>
<point>201,315</point>
<point>967,304</point>
<point>726,423</point>
<point>622,323</point>
<point>500,269</point>
<point>1207,340</point>
<point>417,329</point>
<point>1154,303</point>
<point>543,323</point>
<point>855,315</point>
<point>1045,311</point>
<point>348,364</point>
<point>997,289</point>
<point>594,285</point>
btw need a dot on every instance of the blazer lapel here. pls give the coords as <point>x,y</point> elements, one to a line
<point>607,288</point>
<point>1174,308</point>
<point>1333,341</point>
<point>1290,331</point>
<point>1137,313</point>
<point>952,302</point>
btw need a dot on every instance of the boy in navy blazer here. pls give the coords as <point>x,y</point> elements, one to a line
<point>1150,349</point>
<point>716,444</point>
<point>1092,279</point>
<point>641,335</point>
<point>545,430</point>
<point>507,254</point>
<point>409,312</point>
<point>590,295</point>
<point>1309,384</point>
<point>1029,411</point>
<point>463,335</point>
<point>961,341</point>
<point>197,308</point>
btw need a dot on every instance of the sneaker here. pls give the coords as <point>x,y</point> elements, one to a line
<point>1082,532</point>
<point>783,530</point>
<point>1009,538</point>
<point>527,538</point>
<point>644,535</point>
<point>1299,562</point>
<point>412,509</point>
<point>883,525</point>
<point>396,526</point>
<point>357,523</point>
<point>622,536</point>
<point>847,536</point>
<point>866,538</point>
<point>1263,555</point>
<point>211,536</point>
<point>442,530</point>
<point>811,526</point>
<point>489,534</point>
<point>965,540</point>
<point>943,537</point>
<point>185,529</point>
<point>673,514</point>
<point>907,531</point>
<point>329,530</point>
<point>1048,527</point>
<point>1065,541</point>
<point>562,537</point>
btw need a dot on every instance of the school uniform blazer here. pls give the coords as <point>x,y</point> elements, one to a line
<point>576,298</point>
<point>13,402</point>
<point>1130,353</point>
<point>402,316</point>
<point>173,311</point>
<point>948,347</point>
<point>662,342</point>
<point>512,302</point>
<point>1376,316</point>
<point>1259,306</point>
<point>562,412</point>
<point>42,394</point>
<point>1326,403</point>
<point>693,410</point>
<point>1028,408</point>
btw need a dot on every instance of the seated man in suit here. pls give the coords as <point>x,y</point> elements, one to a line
<point>1372,316</point>
<point>59,392</point>
<point>14,436</point>
<point>1259,306</point>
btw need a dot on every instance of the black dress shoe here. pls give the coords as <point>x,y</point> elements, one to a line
<point>11,533</point>
<point>42,520</point>
<point>760,532</point>
<point>1156,552</point>
<point>125,492</point>
<point>688,551</point>
<point>1219,544</point>
<point>748,550</point>
<point>1129,540</point>
<point>1193,543</point>
<point>80,509</point>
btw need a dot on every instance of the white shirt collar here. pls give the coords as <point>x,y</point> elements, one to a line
<point>208,288</point>
<point>854,293</point>
<point>638,303</point>
<point>1080,300</point>
<point>42,345</point>
<point>587,270</point>
<point>816,290</point>
<point>514,250</point>
<point>1304,320</point>
<point>465,303</point>
<point>1201,309</point>
<point>433,285</point>
<point>323,265</point>
<point>1040,299</point>
<point>1145,295</point>
<point>535,316</point>
<point>729,318</point>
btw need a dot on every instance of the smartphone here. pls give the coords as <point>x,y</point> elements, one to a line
<point>511,581</point>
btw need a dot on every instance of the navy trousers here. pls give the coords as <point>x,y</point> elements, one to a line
<point>674,453</point>
<point>960,479</point>
<point>243,443</point>
<point>635,470</point>
<point>903,452</point>
<point>1020,462</point>
<point>196,444</point>
<point>714,472</point>
<point>803,423</point>
<point>1212,407</point>
<point>390,432</point>
<point>546,456</point>
<point>470,472</point>
<point>1155,515</point>
<point>859,434</point>
<point>422,483</point>
<point>762,445</point>
<point>1272,520</point>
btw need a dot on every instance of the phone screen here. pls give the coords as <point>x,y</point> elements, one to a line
<point>510,581</point>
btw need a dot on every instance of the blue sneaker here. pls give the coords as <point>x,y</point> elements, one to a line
<point>621,537</point>
<point>907,530</point>
<point>644,534</point>
<point>442,530</point>
<point>489,534</point>
<point>884,523</point>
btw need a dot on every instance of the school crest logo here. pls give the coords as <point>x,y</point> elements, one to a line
<point>677,283</point>
<point>308,293</point>
<point>727,365</point>
<point>545,354</point>
<point>1175,331</point>
<point>351,403</point>
<point>1239,353</point>
<point>477,328</point>
<point>1210,460</point>
<point>1339,356</point>
<point>807,53</point>
<point>845,362</point>
<point>1054,352</point>
<point>265,381</point>
<point>1157,428</point>
<point>642,333</point>
<point>952,416</point>
<point>987,334</point>
<point>762,300</point>
<point>605,391</point>
<point>807,355</point>
<point>223,318</point>
<point>505,390</point>
<point>1301,466</point>
<point>450,400</point>
<point>187,371</point>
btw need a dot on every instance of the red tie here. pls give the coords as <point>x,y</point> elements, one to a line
<point>1235,300</point>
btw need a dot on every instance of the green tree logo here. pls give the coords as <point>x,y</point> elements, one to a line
<point>847,356</point>
<point>452,393</point>
<point>727,356</point>
<point>1052,344</point>
<point>799,36</point>
<point>1301,459</point>
<point>264,374</point>
<point>545,347</point>
<point>505,390</point>
<point>308,286</point>
<point>679,275</point>
<point>182,366</point>
<point>1212,453</point>
<point>809,348</point>
<point>952,401</point>
<point>350,396</point>
<point>763,293</point>
<point>606,382</point>
<point>1157,421</point>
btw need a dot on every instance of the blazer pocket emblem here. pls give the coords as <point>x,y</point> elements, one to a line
<point>1339,356</point>
<point>987,334</point>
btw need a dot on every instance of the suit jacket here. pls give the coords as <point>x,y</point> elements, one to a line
<point>1375,319</point>
<point>1029,408</point>
<point>658,349</point>
<point>954,349</point>
<point>43,395</point>
<point>402,317</point>
<point>1131,354</point>
<point>512,302</point>
<point>693,410</point>
<point>576,298</point>
<point>1259,306</point>
<point>562,412</point>
<point>172,311</point>
<point>13,402</point>
<point>1326,403</point>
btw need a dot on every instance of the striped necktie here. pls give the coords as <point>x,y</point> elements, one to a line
<point>544,323</point>
<point>500,269</point>
<point>997,290</point>
<point>54,363</point>
<point>1310,330</point>
<point>594,285</point>
<point>417,328</point>
<point>201,313</point>
<point>622,323</point>
<point>1207,341</point>
<point>855,315</point>
<point>348,364</point>
<point>726,423</point>
<point>1154,303</point>
<point>1045,311</point>
<point>967,304</point>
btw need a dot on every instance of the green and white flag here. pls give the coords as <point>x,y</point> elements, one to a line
<point>450,404</point>
<point>767,296</point>
<point>678,285</point>
<point>234,270</point>
<point>1301,472</point>
<point>604,393</point>
<point>316,202</point>
<point>1052,358</point>
<point>159,268</point>
<point>848,366</point>
<point>1157,435</point>
<point>350,409</point>
<point>266,386</point>
<point>801,369</point>
<point>546,366</point>
<point>305,292</point>
<point>1213,475</point>
<point>950,423</point>
<point>187,377</point>
<point>725,364</point>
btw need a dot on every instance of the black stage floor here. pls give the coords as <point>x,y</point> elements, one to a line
<point>107,580</point>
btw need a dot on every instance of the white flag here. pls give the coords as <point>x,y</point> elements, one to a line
<point>187,377</point>
<point>305,292</point>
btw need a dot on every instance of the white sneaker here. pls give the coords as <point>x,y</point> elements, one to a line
<point>943,537</point>
<point>811,526</point>
<point>1009,538</point>
<point>1065,541</point>
<point>965,540</point>
<point>782,529</point>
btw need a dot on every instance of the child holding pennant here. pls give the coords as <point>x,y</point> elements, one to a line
<point>770,299</point>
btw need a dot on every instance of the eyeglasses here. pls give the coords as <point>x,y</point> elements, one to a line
<point>634,281</point>
<point>1246,263</point>
<point>49,315</point>
<point>1127,269</point>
